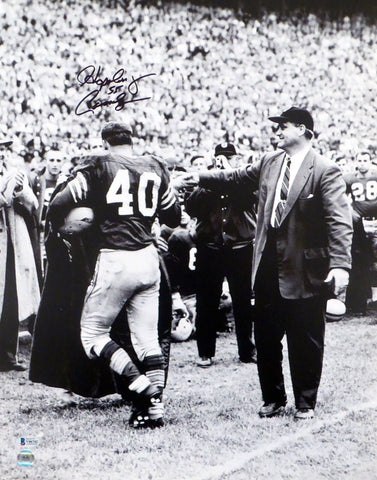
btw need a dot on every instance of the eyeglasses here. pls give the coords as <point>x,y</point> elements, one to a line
<point>59,160</point>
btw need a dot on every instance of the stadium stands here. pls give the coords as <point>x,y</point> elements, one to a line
<point>216,74</point>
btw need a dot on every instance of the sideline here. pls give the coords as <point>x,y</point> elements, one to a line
<point>240,460</point>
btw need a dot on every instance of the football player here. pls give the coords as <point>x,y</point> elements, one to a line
<point>126,193</point>
<point>180,263</point>
<point>45,184</point>
<point>362,185</point>
<point>362,188</point>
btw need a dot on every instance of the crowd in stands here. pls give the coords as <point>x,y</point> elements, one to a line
<point>193,77</point>
<point>217,76</point>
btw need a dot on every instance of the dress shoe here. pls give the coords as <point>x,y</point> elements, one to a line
<point>7,367</point>
<point>271,410</point>
<point>304,413</point>
<point>67,399</point>
<point>204,362</point>
<point>251,359</point>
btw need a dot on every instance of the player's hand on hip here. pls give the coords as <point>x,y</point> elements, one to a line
<point>339,277</point>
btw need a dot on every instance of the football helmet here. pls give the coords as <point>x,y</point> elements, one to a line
<point>335,310</point>
<point>182,329</point>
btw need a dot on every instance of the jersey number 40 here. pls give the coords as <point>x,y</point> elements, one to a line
<point>147,193</point>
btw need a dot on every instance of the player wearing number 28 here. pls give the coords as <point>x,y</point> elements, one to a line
<point>362,188</point>
<point>126,192</point>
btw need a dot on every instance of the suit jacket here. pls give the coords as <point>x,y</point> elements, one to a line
<point>316,230</point>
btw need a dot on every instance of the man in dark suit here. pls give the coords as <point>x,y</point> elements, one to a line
<point>302,246</point>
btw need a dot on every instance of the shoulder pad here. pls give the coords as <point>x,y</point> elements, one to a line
<point>349,177</point>
<point>91,161</point>
<point>158,159</point>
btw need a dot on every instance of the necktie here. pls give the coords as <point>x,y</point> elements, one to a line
<point>283,194</point>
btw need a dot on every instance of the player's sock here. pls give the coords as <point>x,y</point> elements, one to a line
<point>156,409</point>
<point>154,370</point>
<point>121,363</point>
<point>116,356</point>
<point>140,385</point>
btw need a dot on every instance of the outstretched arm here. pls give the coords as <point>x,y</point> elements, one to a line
<point>226,180</point>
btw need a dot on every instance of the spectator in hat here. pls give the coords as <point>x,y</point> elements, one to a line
<point>302,247</point>
<point>342,163</point>
<point>198,163</point>
<point>224,239</point>
<point>19,288</point>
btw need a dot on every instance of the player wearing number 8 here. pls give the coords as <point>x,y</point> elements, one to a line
<point>126,192</point>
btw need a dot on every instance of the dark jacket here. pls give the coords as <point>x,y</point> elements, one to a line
<point>316,230</point>
<point>223,219</point>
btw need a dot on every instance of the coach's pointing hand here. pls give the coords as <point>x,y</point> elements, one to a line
<point>191,179</point>
<point>185,181</point>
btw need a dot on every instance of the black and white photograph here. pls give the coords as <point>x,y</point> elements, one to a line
<point>188,240</point>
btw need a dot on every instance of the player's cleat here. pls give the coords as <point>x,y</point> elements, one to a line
<point>271,410</point>
<point>148,410</point>
<point>138,419</point>
<point>204,362</point>
<point>158,423</point>
<point>304,414</point>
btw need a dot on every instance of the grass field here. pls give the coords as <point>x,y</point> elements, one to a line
<point>213,430</point>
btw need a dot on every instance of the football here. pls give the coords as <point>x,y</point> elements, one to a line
<point>78,220</point>
<point>335,309</point>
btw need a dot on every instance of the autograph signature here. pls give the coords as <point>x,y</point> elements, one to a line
<point>119,88</point>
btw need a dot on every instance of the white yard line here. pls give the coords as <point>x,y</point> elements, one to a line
<point>240,460</point>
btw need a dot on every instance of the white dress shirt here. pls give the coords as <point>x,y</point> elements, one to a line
<point>296,161</point>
